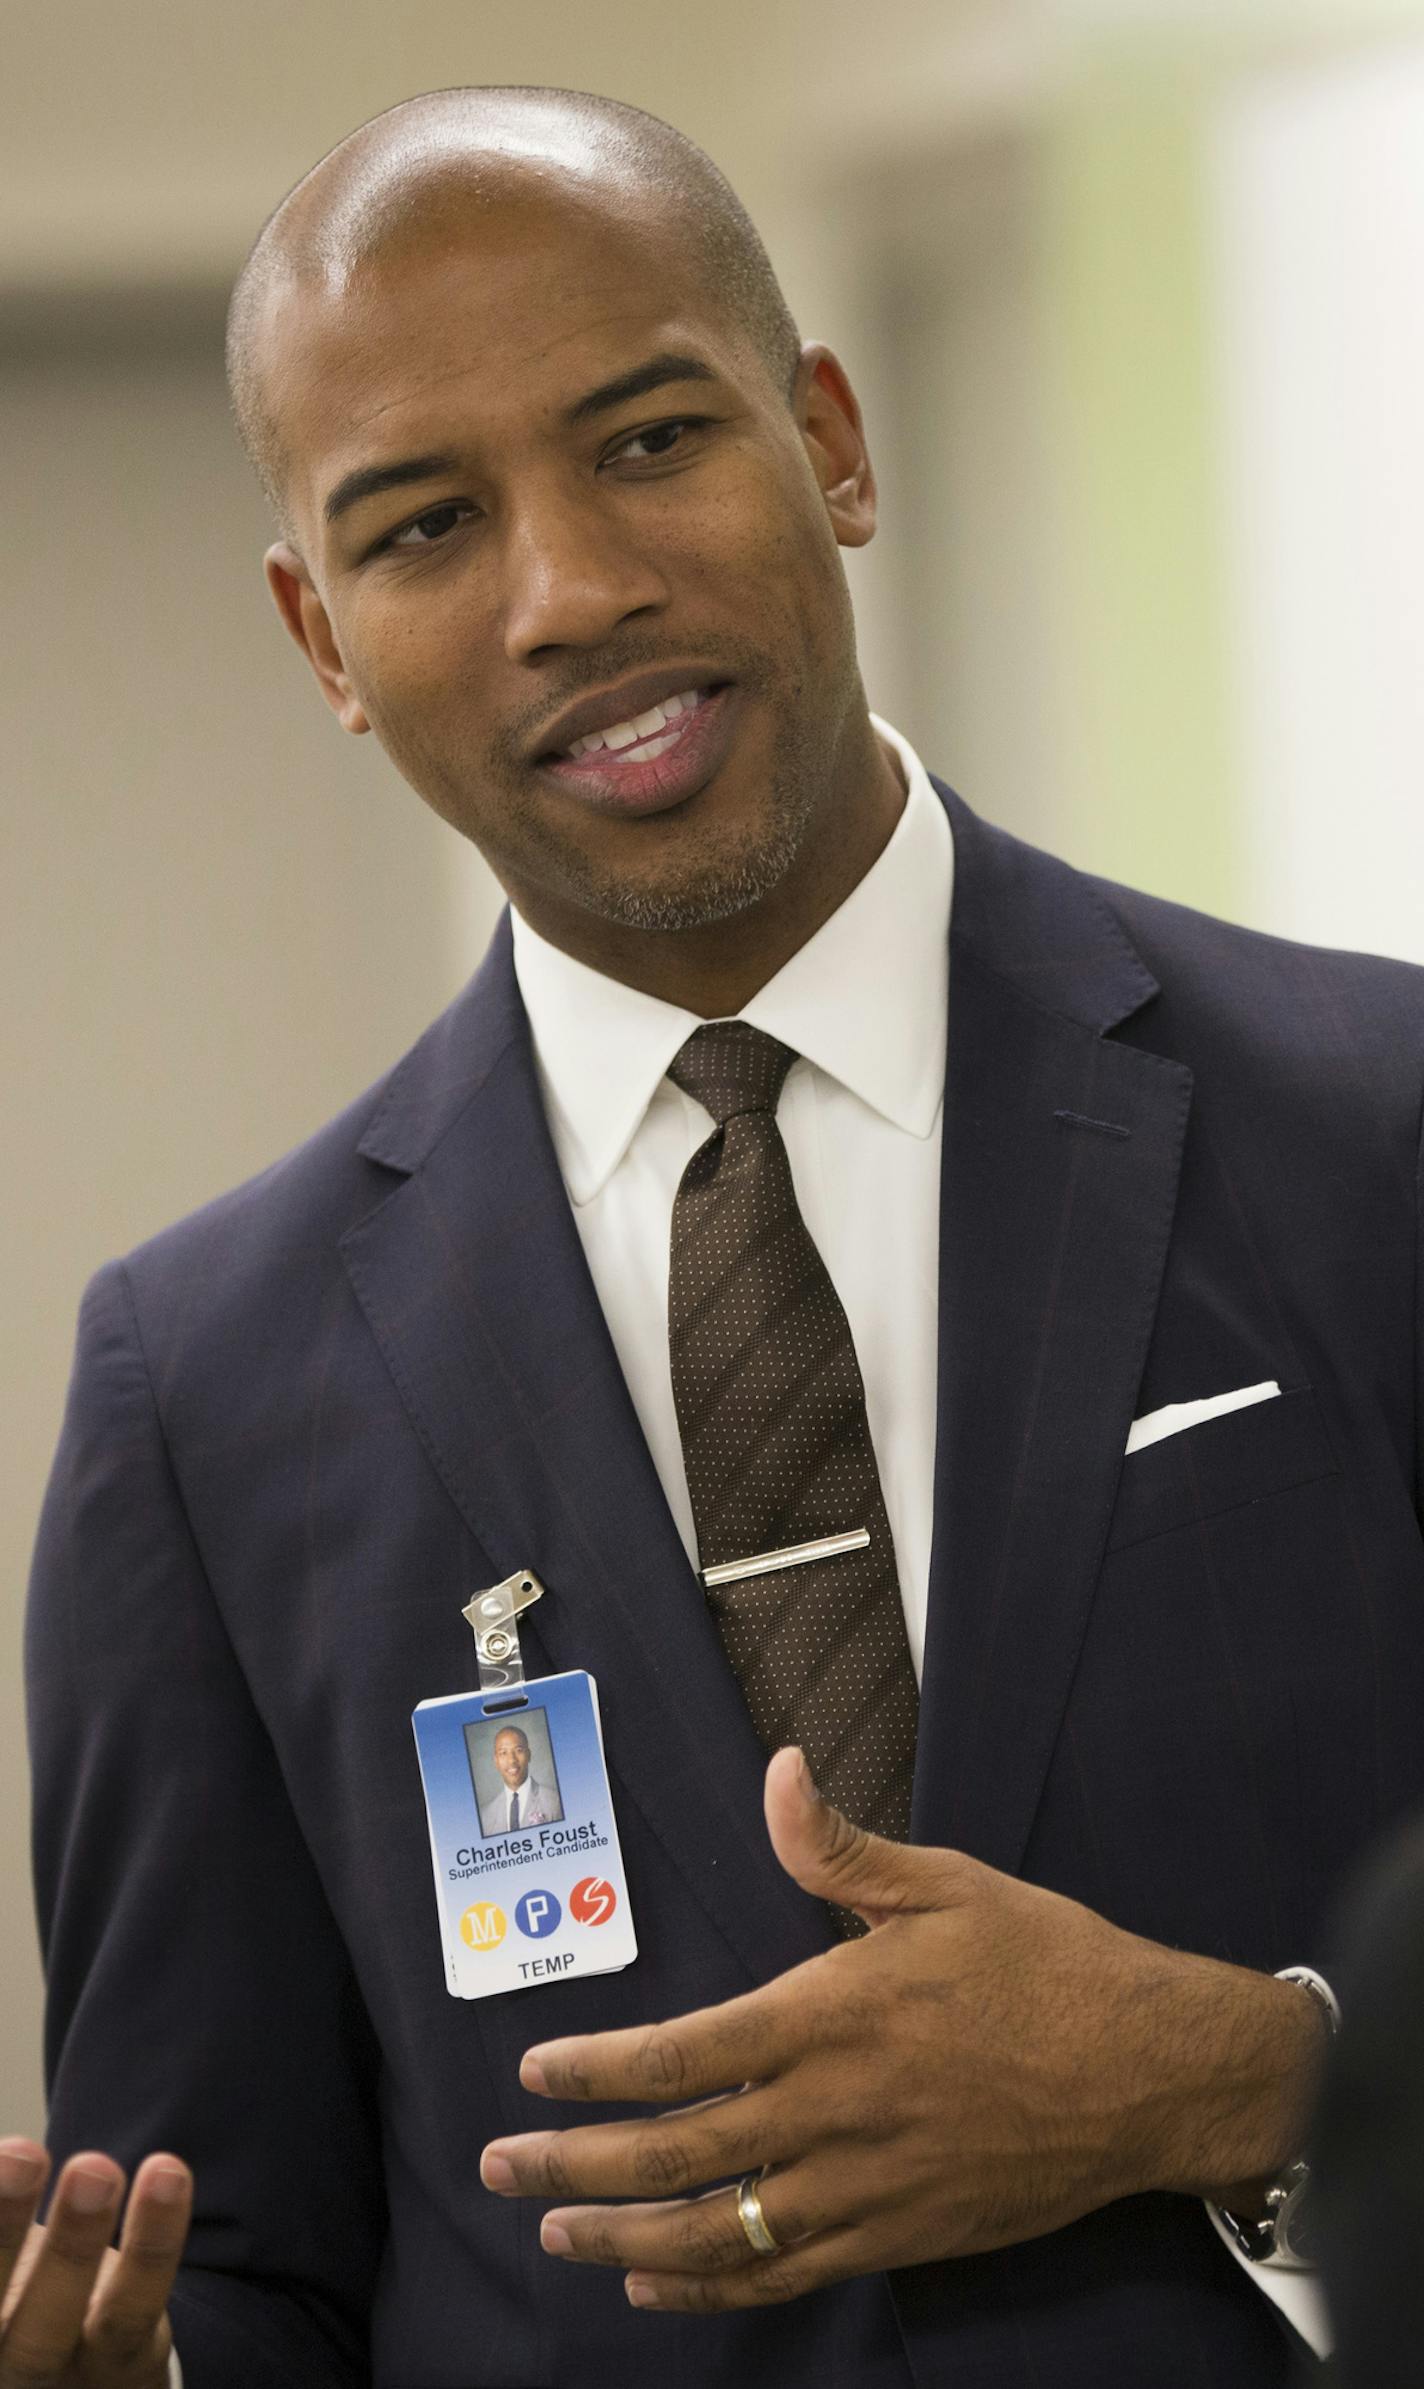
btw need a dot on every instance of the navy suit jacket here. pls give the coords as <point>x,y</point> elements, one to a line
<point>309,1422</point>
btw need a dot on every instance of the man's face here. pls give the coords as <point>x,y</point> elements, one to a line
<point>576,558</point>
<point>511,1756</point>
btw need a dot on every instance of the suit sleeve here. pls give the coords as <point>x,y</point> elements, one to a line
<point>200,1998</point>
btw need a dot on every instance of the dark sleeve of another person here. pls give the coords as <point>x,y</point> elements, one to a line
<point>200,1997</point>
<point>1369,2137</point>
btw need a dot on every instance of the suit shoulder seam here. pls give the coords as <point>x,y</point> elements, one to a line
<point>141,1348</point>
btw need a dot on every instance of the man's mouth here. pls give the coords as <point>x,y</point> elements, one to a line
<point>645,735</point>
<point>651,760</point>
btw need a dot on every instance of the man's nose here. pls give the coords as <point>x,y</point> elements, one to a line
<point>572,576</point>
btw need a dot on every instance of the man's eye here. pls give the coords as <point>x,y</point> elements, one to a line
<point>430,528</point>
<point>659,439</point>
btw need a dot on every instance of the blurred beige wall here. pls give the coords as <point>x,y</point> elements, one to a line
<point>222,917</point>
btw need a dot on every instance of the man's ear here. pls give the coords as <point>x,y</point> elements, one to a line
<point>828,413</point>
<point>306,618</point>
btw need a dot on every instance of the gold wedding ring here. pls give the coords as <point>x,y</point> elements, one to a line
<point>751,2218</point>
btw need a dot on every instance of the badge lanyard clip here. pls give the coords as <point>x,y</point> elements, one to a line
<point>494,1622</point>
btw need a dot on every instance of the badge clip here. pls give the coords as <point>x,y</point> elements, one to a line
<point>494,1622</point>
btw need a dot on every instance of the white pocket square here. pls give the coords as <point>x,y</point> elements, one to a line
<point>1177,1415</point>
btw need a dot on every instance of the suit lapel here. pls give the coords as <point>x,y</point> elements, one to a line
<point>473,1280</point>
<point>1061,1155</point>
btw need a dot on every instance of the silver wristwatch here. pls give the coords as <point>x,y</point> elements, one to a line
<point>1282,2236</point>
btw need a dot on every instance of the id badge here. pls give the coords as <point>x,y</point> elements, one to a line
<point>529,1882</point>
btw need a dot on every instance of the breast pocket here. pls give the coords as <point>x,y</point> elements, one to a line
<point>1221,1465</point>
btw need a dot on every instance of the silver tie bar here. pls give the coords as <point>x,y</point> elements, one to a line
<point>792,1555</point>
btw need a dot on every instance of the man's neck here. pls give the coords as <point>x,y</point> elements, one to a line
<point>714,969</point>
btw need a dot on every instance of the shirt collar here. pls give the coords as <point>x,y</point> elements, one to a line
<point>864,1000</point>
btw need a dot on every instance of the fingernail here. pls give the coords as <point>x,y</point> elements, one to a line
<point>167,2184</point>
<point>531,2074</point>
<point>640,2292</point>
<point>19,2173</point>
<point>805,1780</point>
<point>554,2239</point>
<point>88,2191</point>
<point>496,2172</point>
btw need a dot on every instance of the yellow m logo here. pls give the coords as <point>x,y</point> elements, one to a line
<point>483,1926</point>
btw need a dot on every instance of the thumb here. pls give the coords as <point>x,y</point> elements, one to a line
<point>835,1860</point>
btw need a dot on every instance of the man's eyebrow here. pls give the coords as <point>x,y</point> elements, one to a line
<point>369,480</point>
<point>635,384</point>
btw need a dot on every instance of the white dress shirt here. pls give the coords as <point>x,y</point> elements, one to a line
<point>864,1002</point>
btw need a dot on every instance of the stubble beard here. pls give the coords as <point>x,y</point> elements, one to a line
<point>715,880</point>
<point>717,874</point>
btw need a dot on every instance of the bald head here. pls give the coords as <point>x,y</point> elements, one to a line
<point>425,174</point>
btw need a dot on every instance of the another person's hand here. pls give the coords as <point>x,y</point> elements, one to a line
<point>76,2313</point>
<point>990,2062</point>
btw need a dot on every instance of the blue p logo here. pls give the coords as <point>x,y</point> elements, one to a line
<point>538,1915</point>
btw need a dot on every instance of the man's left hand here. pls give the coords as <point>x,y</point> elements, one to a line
<point>988,2063</point>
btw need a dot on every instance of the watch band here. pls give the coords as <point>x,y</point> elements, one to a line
<point>1282,2237</point>
<point>1320,1992</point>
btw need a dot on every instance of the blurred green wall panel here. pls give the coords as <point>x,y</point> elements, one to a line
<point>1148,772</point>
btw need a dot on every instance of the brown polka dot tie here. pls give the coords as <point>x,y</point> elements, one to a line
<point>771,1408</point>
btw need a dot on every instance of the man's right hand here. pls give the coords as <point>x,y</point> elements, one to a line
<point>76,2313</point>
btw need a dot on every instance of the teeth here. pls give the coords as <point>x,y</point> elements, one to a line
<point>643,725</point>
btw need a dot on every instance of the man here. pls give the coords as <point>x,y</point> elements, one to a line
<point>808,1296</point>
<point>524,1800</point>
